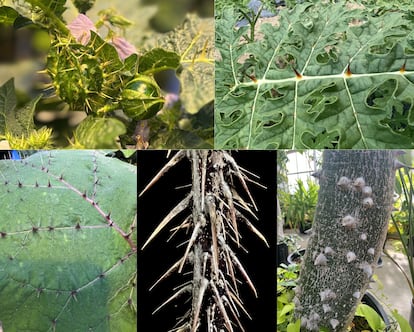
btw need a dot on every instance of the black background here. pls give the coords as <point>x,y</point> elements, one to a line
<point>159,255</point>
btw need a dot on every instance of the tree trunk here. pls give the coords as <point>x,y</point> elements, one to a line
<point>279,222</point>
<point>349,230</point>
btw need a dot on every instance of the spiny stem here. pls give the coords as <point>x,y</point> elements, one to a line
<point>213,225</point>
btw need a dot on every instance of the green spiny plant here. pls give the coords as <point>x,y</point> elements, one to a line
<point>337,75</point>
<point>112,83</point>
<point>217,213</point>
<point>68,243</point>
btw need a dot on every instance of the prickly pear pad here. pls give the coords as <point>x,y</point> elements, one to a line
<point>68,243</point>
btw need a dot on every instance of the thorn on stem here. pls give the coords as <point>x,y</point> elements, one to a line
<point>252,77</point>
<point>402,69</point>
<point>348,72</point>
<point>298,75</point>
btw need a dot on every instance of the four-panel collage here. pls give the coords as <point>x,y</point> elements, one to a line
<point>206,165</point>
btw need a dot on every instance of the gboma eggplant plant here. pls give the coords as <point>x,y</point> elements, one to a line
<point>115,85</point>
<point>322,74</point>
<point>213,213</point>
<point>68,243</point>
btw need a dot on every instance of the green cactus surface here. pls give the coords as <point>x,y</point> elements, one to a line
<point>68,243</point>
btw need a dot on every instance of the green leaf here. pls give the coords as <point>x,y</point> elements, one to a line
<point>56,7</point>
<point>323,105</point>
<point>294,327</point>
<point>373,318</point>
<point>197,84</point>
<point>180,139</point>
<point>107,54</point>
<point>63,267</point>
<point>8,15</point>
<point>285,298</point>
<point>402,322</point>
<point>130,65</point>
<point>99,133</point>
<point>158,60</point>
<point>21,121</point>
<point>287,309</point>
<point>7,103</point>
<point>194,42</point>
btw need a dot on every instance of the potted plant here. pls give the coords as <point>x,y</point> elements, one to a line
<point>289,243</point>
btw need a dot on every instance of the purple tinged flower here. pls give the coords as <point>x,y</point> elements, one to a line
<point>170,100</point>
<point>81,27</point>
<point>124,48</point>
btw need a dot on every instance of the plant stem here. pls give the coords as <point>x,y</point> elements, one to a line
<point>51,15</point>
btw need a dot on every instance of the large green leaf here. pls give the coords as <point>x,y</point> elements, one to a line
<point>64,267</point>
<point>193,41</point>
<point>348,90</point>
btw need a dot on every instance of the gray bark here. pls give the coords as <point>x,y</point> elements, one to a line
<point>349,230</point>
<point>279,222</point>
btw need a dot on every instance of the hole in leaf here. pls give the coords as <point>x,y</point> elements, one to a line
<point>379,96</point>
<point>269,124</point>
<point>397,118</point>
<point>322,140</point>
<point>232,117</point>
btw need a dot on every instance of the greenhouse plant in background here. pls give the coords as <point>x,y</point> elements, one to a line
<point>207,266</point>
<point>351,221</point>
<point>403,222</point>
<point>299,207</point>
<point>155,95</point>
<point>68,242</point>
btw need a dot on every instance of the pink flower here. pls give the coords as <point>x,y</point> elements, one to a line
<point>124,48</point>
<point>81,27</point>
<point>170,100</point>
